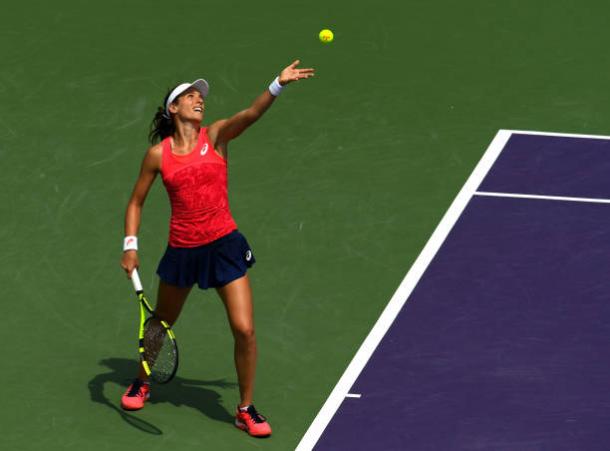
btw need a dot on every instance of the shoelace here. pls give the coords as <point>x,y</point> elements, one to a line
<point>256,417</point>
<point>135,388</point>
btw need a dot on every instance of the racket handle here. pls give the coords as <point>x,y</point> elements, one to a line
<point>135,279</point>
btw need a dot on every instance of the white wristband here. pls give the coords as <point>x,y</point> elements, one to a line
<point>275,88</point>
<point>130,243</point>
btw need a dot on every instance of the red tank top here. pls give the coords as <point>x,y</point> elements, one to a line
<point>197,187</point>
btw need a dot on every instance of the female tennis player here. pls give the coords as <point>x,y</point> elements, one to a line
<point>205,247</point>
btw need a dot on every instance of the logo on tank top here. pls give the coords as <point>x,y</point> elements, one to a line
<point>248,255</point>
<point>204,149</point>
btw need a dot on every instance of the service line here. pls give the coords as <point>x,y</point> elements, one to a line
<point>595,200</point>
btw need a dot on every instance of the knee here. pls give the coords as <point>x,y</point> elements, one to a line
<point>244,333</point>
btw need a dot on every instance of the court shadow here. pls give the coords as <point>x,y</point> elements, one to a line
<point>191,393</point>
<point>179,392</point>
<point>119,374</point>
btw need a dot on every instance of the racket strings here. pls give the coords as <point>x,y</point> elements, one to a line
<point>159,350</point>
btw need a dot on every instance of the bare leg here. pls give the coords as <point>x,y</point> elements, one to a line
<point>170,300</point>
<point>237,298</point>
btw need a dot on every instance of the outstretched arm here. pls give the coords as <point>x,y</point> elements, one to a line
<point>223,131</point>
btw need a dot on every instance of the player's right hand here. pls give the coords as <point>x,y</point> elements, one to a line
<point>129,261</point>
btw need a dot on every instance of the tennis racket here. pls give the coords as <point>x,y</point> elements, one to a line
<point>156,340</point>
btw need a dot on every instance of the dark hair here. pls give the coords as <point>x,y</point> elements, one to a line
<point>162,124</point>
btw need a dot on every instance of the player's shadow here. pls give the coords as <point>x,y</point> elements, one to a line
<point>180,392</point>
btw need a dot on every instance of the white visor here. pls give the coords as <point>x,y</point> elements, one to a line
<point>200,85</point>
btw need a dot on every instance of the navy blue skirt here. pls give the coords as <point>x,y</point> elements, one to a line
<point>212,265</point>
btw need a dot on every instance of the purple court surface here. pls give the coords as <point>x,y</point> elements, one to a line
<point>498,338</point>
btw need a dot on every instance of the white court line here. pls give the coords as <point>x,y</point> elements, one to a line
<point>560,135</point>
<point>339,393</point>
<point>353,395</point>
<point>540,197</point>
<point>399,298</point>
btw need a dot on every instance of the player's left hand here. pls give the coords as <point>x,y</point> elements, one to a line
<point>291,73</point>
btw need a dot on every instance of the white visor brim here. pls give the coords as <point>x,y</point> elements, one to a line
<point>200,85</point>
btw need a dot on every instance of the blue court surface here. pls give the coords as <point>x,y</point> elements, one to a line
<point>498,338</point>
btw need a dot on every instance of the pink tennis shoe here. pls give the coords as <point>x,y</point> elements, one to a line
<point>136,395</point>
<point>252,422</point>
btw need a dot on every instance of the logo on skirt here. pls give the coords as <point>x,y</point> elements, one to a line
<point>248,255</point>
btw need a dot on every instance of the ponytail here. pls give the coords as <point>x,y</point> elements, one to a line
<point>162,124</point>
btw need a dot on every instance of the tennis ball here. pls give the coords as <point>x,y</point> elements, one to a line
<point>326,36</point>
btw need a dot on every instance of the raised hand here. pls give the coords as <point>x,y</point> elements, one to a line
<point>291,73</point>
